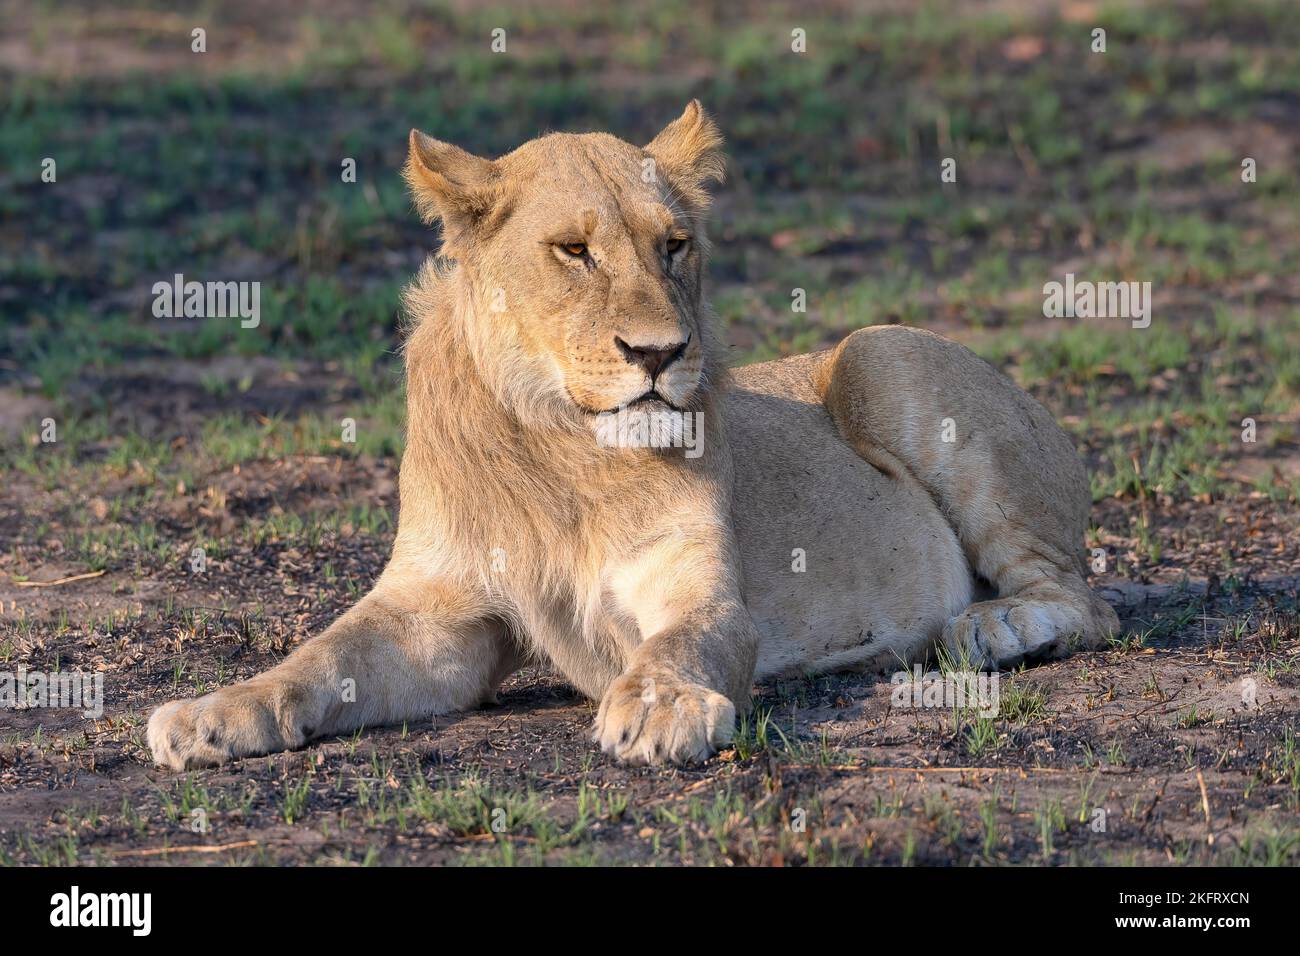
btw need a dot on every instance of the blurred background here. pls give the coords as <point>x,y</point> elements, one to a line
<point>226,165</point>
<point>201,510</point>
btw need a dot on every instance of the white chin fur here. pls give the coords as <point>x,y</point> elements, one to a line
<point>651,426</point>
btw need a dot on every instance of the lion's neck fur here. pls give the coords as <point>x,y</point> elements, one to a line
<point>524,491</point>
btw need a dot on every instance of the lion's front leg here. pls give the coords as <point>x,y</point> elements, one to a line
<point>404,652</point>
<point>676,701</point>
<point>656,713</point>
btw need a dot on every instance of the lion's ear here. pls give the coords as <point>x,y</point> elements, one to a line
<point>448,183</point>
<point>688,151</point>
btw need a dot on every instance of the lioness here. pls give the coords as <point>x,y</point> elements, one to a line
<point>826,511</point>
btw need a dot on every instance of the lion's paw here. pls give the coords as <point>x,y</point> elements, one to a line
<point>232,722</point>
<point>1004,633</point>
<point>648,720</point>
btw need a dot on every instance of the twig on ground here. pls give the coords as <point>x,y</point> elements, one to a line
<point>50,584</point>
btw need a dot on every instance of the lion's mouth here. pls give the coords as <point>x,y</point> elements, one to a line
<point>652,398</point>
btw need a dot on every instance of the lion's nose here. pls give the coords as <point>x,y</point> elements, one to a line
<point>653,358</point>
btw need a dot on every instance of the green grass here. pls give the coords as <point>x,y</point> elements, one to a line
<point>1061,158</point>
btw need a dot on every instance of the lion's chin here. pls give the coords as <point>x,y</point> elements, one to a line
<point>652,424</point>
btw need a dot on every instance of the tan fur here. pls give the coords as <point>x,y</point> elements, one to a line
<point>825,524</point>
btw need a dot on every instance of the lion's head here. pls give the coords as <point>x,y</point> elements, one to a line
<point>580,260</point>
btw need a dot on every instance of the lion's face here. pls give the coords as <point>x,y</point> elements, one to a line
<point>585,255</point>
<point>607,275</point>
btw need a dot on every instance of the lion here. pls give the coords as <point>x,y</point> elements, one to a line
<point>585,484</point>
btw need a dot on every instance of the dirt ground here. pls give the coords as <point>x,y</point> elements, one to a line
<point>1158,734</point>
<point>1176,745</point>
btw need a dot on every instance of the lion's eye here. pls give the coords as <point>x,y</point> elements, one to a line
<point>675,244</point>
<point>575,249</point>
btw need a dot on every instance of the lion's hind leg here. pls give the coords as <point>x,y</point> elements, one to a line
<point>998,467</point>
<point>1043,610</point>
